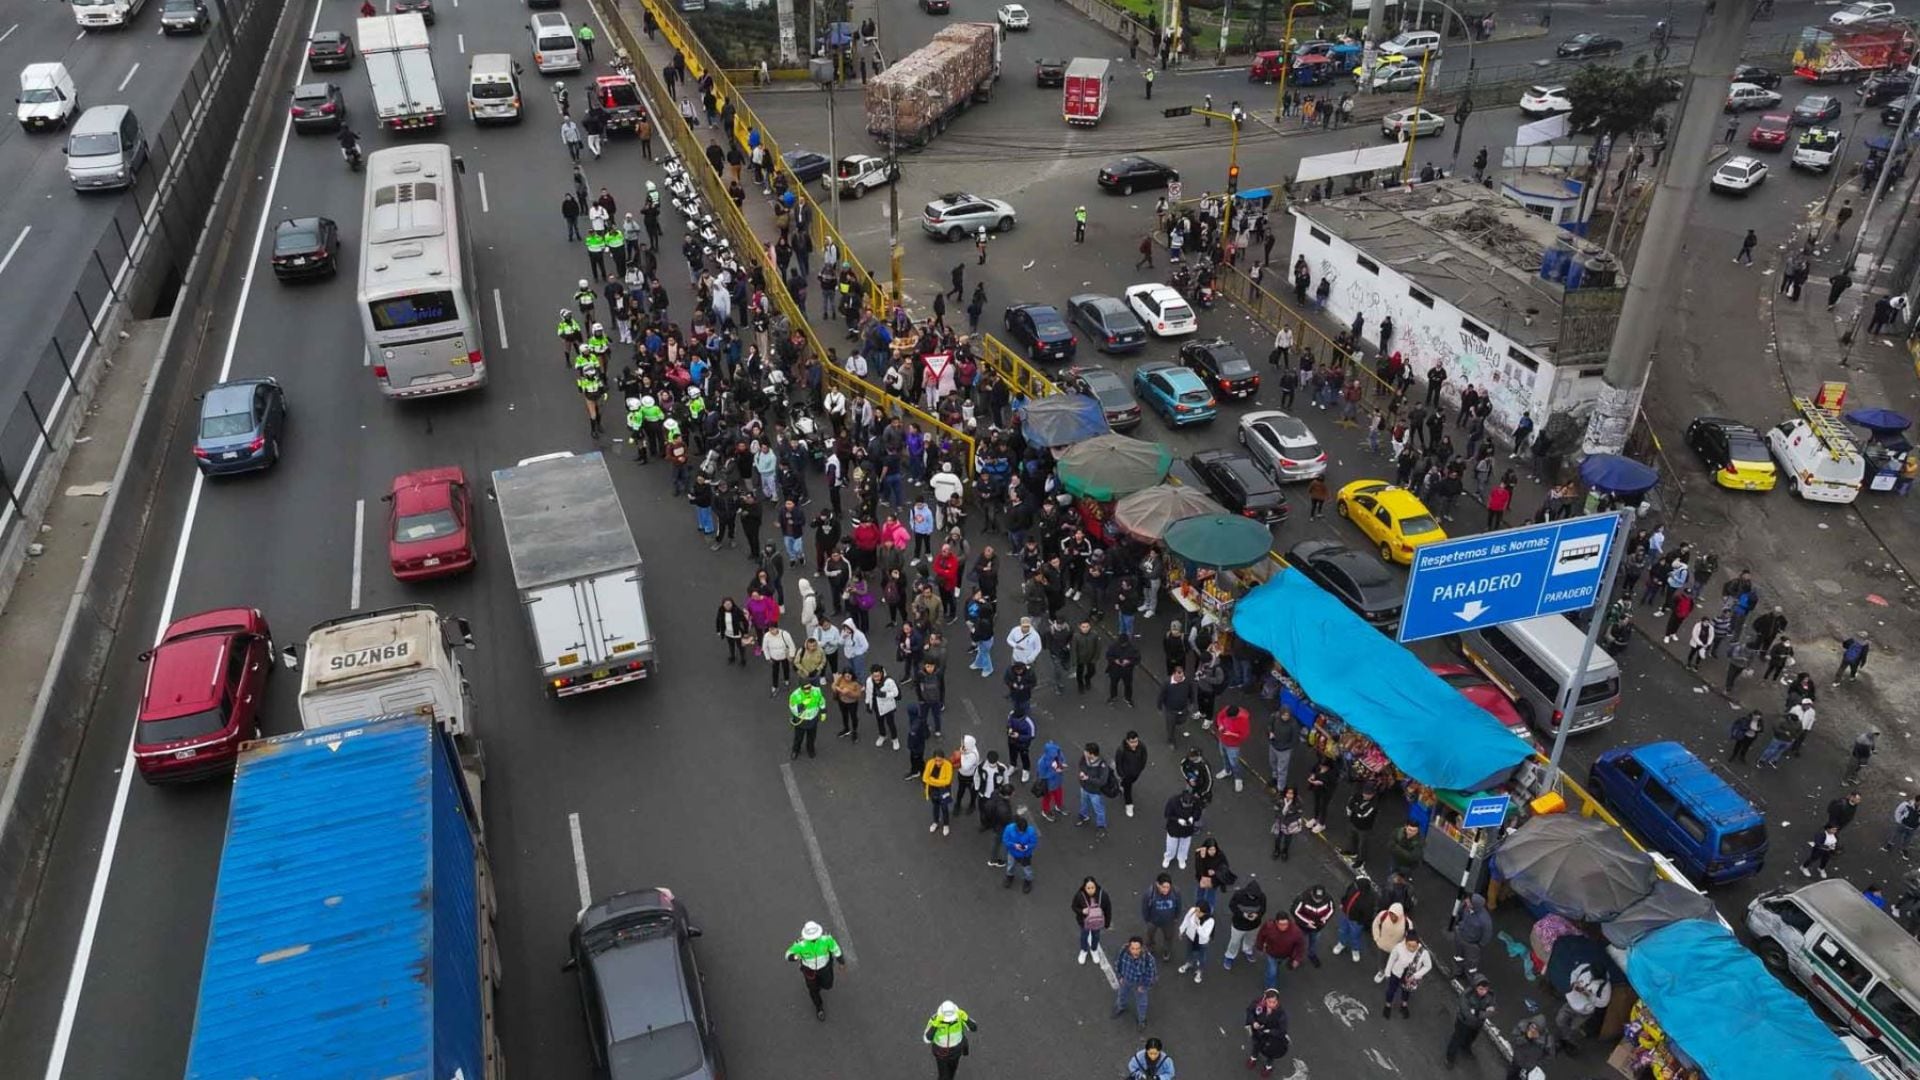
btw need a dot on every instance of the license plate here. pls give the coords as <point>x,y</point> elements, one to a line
<point>298,261</point>
<point>602,673</point>
<point>229,455</point>
<point>430,562</point>
<point>184,754</point>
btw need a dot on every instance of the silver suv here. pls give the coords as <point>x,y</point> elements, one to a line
<point>957,215</point>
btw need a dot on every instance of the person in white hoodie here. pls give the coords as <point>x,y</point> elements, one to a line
<point>853,646</point>
<point>778,647</point>
<point>809,604</point>
<point>1196,929</point>
<point>883,697</point>
<point>966,788</point>
<point>1407,964</point>
<point>1025,641</point>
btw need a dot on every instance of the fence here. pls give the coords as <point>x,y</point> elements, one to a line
<point>740,234</point>
<point>133,272</point>
<point>1009,365</point>
<point>1276,313</point>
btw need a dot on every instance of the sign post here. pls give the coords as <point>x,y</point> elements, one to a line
<point>1617,523</point>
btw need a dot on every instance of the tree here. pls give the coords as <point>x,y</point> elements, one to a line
<point>1611,101</point>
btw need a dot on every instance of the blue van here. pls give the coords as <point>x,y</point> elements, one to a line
<point>1678,805</point>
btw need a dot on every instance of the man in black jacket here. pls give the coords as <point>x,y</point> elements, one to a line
<point>1176,697</point>
<point>1122,658</point>
<point>1476,1002</point>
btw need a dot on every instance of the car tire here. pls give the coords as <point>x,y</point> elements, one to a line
<point>955,234</point>
<point>273,452</point>
<point>859,190</point>
<point>1126,189</point>
<point>1386,551</point>
<point>1772,954</point>
<point>1005,224</point>
<point>1341,509</point>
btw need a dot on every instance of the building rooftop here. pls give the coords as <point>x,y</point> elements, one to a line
<point>1479,252</point>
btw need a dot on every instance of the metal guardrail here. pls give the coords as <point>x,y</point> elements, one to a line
<point>1274,312</point>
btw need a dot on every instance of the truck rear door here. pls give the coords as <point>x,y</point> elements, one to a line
<point>592,634</point>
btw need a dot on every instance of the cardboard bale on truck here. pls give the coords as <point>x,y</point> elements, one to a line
<point>912,101</point>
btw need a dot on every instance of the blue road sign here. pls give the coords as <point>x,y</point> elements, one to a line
<point>1486,812</point>
<point>1505,576</point>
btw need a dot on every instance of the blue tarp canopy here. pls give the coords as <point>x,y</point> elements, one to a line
<point>1425,727</point>
<point>1724,1009</point>
<point>1620,475</point>
<point>1061,419</point>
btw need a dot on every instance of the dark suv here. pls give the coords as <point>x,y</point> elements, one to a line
<point>1236,483</point>
<point>1049,73</point>
<point>646,1007</point>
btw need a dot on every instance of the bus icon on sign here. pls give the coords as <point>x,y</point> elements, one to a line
<point>1580,554</point>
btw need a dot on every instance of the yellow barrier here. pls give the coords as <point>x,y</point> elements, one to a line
<point>1274,312</point>
<point>745,243</point>
<point>1014,370</point>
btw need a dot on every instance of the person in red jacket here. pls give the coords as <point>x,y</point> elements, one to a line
<point>947,569</point>
<point>1280,940</point>
<point>1498,500</point>
<point>1231,726</point>
<point>866,546</point>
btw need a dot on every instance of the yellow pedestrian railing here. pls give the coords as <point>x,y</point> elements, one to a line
<point>1274,313</point>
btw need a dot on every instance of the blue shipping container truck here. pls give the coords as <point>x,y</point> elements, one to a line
<point>352,922</point>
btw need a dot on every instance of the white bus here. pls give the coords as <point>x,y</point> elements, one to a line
<point>419,289</point>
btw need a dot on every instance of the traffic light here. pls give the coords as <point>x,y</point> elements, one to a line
<point>1233,179</point>
<point>1178,110</point>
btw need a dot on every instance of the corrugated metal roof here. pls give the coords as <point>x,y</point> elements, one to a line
<point>322,959</point>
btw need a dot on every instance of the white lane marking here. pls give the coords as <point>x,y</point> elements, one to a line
<point>819,861</point>
<point>500,319</point>
<point>96,897</point>
<point>17,241</point>
<point>129,78</point>
<point>485,207</point>
<point>359,547</point>
<point>79,35</point>
<point>1106,968</point>
<point>461,40</point>
<point>9,32</point>
<point>580,862</point>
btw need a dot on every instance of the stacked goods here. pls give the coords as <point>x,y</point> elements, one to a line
<point>912,101</point>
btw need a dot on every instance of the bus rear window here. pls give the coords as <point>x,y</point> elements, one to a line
<point>408,312</point>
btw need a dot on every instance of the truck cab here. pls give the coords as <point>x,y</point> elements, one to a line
<point>856,173</point>
<point>399,659</point>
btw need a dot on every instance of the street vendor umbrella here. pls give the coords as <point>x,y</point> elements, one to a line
<point>1222,541</point>
<point>1062,419</point>
<point>1879,421</point>
<point>1581,867</point>
<point>1109,466</point>
<point>1667,903</point>
<point>1147,514</point>
<point>1618,475</point>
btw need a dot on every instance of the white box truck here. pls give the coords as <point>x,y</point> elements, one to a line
<point>393,49</point>
<point>396,660</point>
<point>578,571</point>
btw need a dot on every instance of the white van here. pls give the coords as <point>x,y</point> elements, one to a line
<point>47,99</point>
<point>1817,456</point>
<point>105,148</point>
<point>1412,43</point>
<point>493,88</point>
<point>1533,660</point>
<point>554,46</point>
<point>1851,956</point>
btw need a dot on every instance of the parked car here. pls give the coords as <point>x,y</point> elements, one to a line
<point>1770,132</point>
<point>641,989</point>
<point>1041,332</point>
<point>1757,75</point>
<point>1109,389</point>
<point>1134,173</point>
<point>1896,110</point>
<point>1395,75</point>
<point>1739,175</point>
<point>429,524</point>
<point>1884,87</point>
<point>1013,17</point>
<point>1225,368</point>
<point>1412,43</point>
<point>1107,321</point>
<point>1474,685</point>
<point>1581,46</point>
<point>305,247</point>
<point>318,106</point>
<point>240,426</point>
<point>859,173</point>
<point>1359,581</point>
<point>1396,125</point>
<point>206,682</point>
<point>1545,101</point>
<point>1237,484</point>
<point>329,49</point>
<point>1048,73</point>
<point>1162,310</point>
<point>1683,807</point>
<point>936,7</point>
<point>956,215</point>
<point>1817,109</point>
<point>1862,12</point>
<point>1175,393</point>
<point>1735,452</point>
<point>1392,517</point>
<point>1746,97</point>
<point>1283,445</point>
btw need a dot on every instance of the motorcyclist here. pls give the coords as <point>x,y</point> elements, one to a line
<point>349,145</point>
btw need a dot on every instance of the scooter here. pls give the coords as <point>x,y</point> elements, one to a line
<point>352,153</point>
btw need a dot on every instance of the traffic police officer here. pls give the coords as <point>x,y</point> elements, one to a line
<point>583,297</point>
<point>634,420</point>
<point>652,418</point>
<point>1079,224</point>
<point>596,252</point>
<point>946,1034</point>
<point>816,952</point>
<point>591,380</point>
<point>569,334</point>
<point>806,704</point>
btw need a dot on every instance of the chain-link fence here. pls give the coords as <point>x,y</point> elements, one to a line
<point>136,267</point>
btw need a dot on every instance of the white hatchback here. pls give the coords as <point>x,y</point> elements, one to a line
<point>1739,175</point>
<point>1162,310</point>
<point>1013,17</point>
<point>1545,101</point>
<point>1859,13</point>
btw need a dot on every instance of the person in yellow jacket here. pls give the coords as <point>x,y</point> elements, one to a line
<point>936,779</point>
<point>946,1034</point>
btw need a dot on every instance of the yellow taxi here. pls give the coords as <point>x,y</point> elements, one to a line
<point>1381,61</point>
<point>1735,452</point>
<point>1392,517</point>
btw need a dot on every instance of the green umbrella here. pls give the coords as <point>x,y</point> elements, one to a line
<point>1109,466</point>
<point>1220,541</point>
<point>1147,513</point>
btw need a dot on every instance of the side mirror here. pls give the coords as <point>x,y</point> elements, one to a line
<point>387,498</point>
<point>290,657</point>
<point>570,965</point>
<point>694,932</point>
<point>466,633</point>
<point>460,165</point>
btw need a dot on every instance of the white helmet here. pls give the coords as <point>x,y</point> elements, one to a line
<point>672,427</point>
<point>633,403</point>
<point>811,931</point>
<point>583,283</point>
<point>566,313</point>
<point>949,1012</point>
<point>692,392</point>
<point>598,329</point>
<point>647,402</point>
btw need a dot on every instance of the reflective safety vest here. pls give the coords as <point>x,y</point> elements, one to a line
<point>587,359</point>
<point>597,343</point>
<point>806,704</point>
<point>1080,215</point>
<point>633,420</point>
<point>652,414</point>
<point>595,245</point>
<point>946,1035</point>
<point>568,329</point>
<point>584,298</point>
<point>821,951</point>
<point>585,32</point>
<point>696,406</point>
<point>590,382</point>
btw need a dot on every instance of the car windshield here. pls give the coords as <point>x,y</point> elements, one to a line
<point>431,525</point>
<point>657,1055</point>
<point>1417,525</point>
<point>225,425</point>
<point>190,726</point>
<point>99,143</point>
<point>91,3</point>
<point>38,95</point>
<point>178,5</point>
<point>299,239</point>
<point>1735,844</point>
<point>1232,363</point>
<point>1047,326</point>
<point>327,41</point>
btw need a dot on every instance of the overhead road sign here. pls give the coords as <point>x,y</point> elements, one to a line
<point>1506,576</point>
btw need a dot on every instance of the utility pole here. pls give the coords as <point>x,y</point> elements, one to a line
<point>1655,278</point>
<point>826,72</point>
<point>893,197</point>
<point>1376,27</point>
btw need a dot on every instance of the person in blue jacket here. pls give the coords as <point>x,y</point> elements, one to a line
<point>1053,772</point>
<point>1151,1062</point>
<point>1020,838</point>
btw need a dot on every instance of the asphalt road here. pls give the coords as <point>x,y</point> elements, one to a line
<point>683,782</point>
<point>47,230</point>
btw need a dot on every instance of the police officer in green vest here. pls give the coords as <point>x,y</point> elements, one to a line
<point>946,1034</point>
<point>597,253</point>
<point>806,703</point>
<point>1079,224</point>
<point>569,334</point>
<point>591,380</point>
<point>583,298</point>
<point>816,952</point>
<point>597,343</point>
<point>585,34</point>
<point>633,429</point>
<point>652,416</point>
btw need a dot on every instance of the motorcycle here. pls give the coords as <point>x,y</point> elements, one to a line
<point>351,151</point>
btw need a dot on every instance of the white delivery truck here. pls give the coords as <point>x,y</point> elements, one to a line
<point>394,50</point>
<point>400,659</point>
<point>90,14</point>
<point>578,571</point>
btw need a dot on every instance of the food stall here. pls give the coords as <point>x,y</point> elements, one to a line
<point>1891,461</point>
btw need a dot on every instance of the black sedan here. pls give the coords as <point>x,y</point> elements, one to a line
<point>1895,110</point>
<point>1110,390</point>
<point>1132,173</point>
<point>806,165</point>
<point>1765,78</point>
<point>306,247</point>
<point>1584,45</point>
<point>1816,109</point>
<point>936,7</point>
<point>1884,87</point>
<point>1361,582</point>
<point>1236,483</point>
<point>329,49</point>
<point>240,427</point>
<point>1108,321</point>
<point>1225,368</point>
<point>1041,330</point>
<point>641,989</point>
<point>1049,73</point>
<point>318,106</point>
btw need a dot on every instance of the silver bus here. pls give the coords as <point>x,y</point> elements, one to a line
<point>419,288</point>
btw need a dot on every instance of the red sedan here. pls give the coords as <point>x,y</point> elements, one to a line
<point>429,521</point>
<point>1770,132</point>
<point>1478,689</point>
<point>205,682</point>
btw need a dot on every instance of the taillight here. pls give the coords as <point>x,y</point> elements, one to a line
<point>199,451</point>
<point>474,359</point>
<point>327,109</point>
<point>1732,470</point>
<point>258,442</point>
<point>1181,408</point>
<point>1112,340</point>
<point>379,371</point>
<point>539,58</point>
<point>297,111</point>
<point>1557,714</point>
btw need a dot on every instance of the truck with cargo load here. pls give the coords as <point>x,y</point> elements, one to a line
<point>395,51</point>
<point>619,95</point>
<point>1852,53</point>
<point>912,101</point>
<point>353,915</point>
<point>1083,100</point>
<point>377,662</point>
<point>578,572</point>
